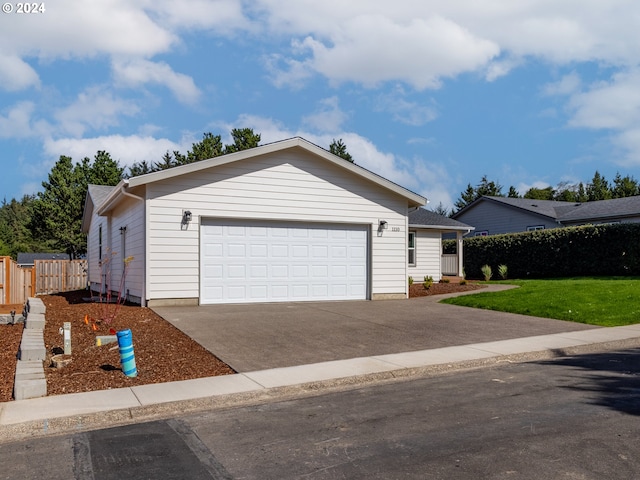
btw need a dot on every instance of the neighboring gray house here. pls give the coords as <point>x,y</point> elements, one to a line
<point>27,260</point>
<point>497,215</point>
<point>287,221</point>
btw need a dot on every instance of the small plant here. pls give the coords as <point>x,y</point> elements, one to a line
<point>463,281</point>
<point>109,305</point>
<point>428,281</point>
<point>502,271</point>
<point>410,280</point>
<point>444,280</point>
<point>486,272</point>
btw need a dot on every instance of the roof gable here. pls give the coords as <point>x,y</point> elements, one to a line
<point>116,195</point>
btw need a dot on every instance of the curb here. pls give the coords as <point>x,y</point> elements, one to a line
<point>261,395</point>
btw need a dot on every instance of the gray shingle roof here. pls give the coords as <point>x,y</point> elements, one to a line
<point>570,212</point>
<point>603,209</point>
<point>427,218</point>
<point>29,258</point>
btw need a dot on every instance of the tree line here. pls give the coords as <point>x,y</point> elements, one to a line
<point>50,221</point>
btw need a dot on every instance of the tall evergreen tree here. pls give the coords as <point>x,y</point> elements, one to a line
<point>599,188</point>
<point>209,147</point>
<point>339,148</point>
<point>58,209</point>
<point>243,139</point>
<point>513,193</point>
<point>547,193</point>
<point>139,168</point>
<point>486,187</point>
<point>624,186</point>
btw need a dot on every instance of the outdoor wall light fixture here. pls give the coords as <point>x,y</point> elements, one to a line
<point>383,225</point>
<point>123,230</point>
<point>186,217</point>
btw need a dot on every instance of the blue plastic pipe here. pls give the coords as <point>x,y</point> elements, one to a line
<point>127,358</point>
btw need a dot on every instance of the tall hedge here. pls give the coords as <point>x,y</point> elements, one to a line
<point>590,250</point>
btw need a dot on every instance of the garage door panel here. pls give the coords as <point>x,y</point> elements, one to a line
<point>270,261</point>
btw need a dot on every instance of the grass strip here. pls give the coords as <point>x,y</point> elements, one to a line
<point>602,301</point>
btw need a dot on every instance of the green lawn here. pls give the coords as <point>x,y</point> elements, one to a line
<point>608,302</point>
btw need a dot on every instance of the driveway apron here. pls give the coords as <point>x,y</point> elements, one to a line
<point>250,337</point>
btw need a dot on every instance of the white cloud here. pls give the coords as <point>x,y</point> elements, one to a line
<point>403,111</point>
<point>567,85</point>
<point>17,121</point>
<point>125,149</point>
<point>222,15</point>
<point>329,118</point>
<point>95,108</point>
<point>372,49</point>
<point>614,104</point>
<point>16,74</point>
<point>140,72</point>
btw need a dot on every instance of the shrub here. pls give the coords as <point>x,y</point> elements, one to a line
<point>444,280</point>
<point>463,281</point>
<point>486,272</point>
<point>589,250</point>
<point>410,280</point>
<point>502,271</point>
<point>428,281</point>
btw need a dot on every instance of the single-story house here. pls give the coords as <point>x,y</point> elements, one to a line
<point>497,215</point>
<point>27,260</point>
<point>286,221</point>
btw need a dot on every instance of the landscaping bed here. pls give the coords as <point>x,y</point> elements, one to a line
<point>418,290</point>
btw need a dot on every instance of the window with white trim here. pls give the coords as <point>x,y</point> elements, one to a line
<point>533,228</point>
<point>482,233</point>
<point>411,249</point>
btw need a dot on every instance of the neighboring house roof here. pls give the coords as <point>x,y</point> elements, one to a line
<point>603,210</point>
<point>116,195</point>
<point>30,258</point>
<point>547,208</point>
<point>96,194</point>
<point>427,219</point>
<point>568,212</point>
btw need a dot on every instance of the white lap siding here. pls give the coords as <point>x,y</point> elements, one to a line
<point>427,255</point>
<point>287,186</point>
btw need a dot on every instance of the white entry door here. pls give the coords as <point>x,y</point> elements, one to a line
<point>257,261</point>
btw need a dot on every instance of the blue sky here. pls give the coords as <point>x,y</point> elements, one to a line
<point>430,94</point>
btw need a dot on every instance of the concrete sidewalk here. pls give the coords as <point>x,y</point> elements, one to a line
<point>110,407</point>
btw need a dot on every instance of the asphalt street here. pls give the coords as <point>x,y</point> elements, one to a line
<point>568,418</point>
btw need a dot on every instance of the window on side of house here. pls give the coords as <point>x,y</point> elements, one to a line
<point>100,243</point>
<point>411,249</point>
<point>481,233</point>
<point>533,228</point>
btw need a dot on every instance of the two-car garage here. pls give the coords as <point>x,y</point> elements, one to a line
<point>246,261</point>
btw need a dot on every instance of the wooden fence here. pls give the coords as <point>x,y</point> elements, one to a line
<point>53,276</point>
<point>46,276</point>
<point>16,284</point>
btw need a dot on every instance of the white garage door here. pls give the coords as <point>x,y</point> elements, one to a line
<point>279,262</point>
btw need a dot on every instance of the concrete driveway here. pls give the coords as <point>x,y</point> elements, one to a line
<point>254,337</point>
